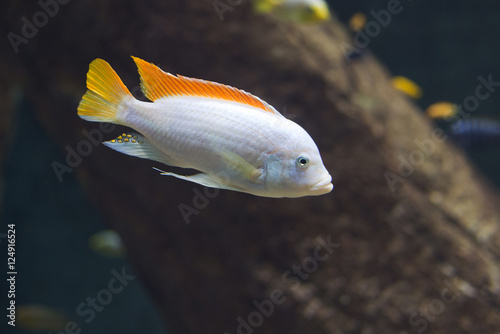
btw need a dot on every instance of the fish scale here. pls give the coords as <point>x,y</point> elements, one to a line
<point>200,129</point>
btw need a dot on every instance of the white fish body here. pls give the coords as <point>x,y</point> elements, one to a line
<point>236,140</point>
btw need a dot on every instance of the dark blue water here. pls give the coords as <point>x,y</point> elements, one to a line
<point>53,221</point>
<point>444,46</point>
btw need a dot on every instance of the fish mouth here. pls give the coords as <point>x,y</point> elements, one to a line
<point>324,186</point>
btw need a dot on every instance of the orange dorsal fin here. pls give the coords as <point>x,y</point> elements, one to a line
<point>156,84</point>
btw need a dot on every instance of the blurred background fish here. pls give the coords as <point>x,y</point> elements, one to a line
<point>107,243</point>
<point>357,22</point>
<point>303,11</point>
<point>476,132</point>
<point>407,86</point>
<point>441,110</point>
<point>40,318</point>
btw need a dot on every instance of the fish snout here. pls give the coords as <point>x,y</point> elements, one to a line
<point>323,186</point>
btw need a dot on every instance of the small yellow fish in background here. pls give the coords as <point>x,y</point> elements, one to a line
<point>40,318</point>
<point>357,22</point>
<point>238,141</point>
<point>303,11</point>
<point>108,243</point>
<point>407,87</point>
<point>442,110</point>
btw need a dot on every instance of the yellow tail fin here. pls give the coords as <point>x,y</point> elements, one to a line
<point>105,93</point>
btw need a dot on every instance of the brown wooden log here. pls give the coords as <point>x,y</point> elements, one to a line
<point>421,256</point>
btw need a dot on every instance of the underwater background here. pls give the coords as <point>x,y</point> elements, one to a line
<point>443,46</point>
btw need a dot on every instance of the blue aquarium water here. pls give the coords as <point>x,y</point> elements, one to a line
<point>53,222</point>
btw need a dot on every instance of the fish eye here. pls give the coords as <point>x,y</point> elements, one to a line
<point>302,161</point>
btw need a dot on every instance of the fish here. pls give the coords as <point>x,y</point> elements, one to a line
<point>357,22</point>
<point>441,110</point>
<point>236,140</point>
<point>476,132</point>
<point>40,318</point>
<point>407,87</point>
<point>303,11</point>
<point>108,243</point>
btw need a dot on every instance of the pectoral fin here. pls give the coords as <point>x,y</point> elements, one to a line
<point>241,166</point>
